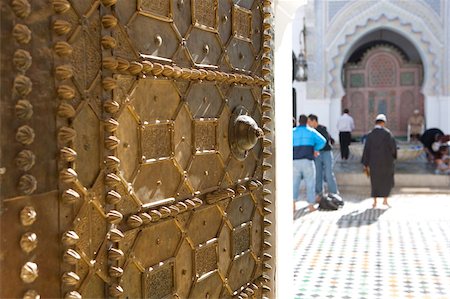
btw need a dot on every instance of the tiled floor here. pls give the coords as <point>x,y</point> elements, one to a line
<point>360,252</point>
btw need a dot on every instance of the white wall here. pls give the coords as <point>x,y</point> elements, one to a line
<point>284,16</point>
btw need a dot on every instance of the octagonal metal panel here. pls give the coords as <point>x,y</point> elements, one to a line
<point>209,287</point>
<point>161,240</point>
<point>241,96</point>
<point>87,144</point>
<point>225,21</point>
<point>240,54</point>
<point>204,225</point>
<point>224,241</point>
<point>205,47</point>
<point>257,29</point>
<point>152,37</point>
<point>128,149</point>
<point>240,210</point>
<point>241,271</point>
<point>205,172</point>
<point>184,269</point>
<point>257,232</point>
<point>183,137</point>
<point>157,181</point>
<point>155,100</point>
<point>242,170</point>
<point>222,135</point>
<point>204,100</point>
<point>182,17</point>
<point>86,57</point>
<point>131,281</point>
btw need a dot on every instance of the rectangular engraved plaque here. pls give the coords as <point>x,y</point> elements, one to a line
<point>241,239</point>
<point>156,141</point>
<point>206,258</point>
<point>205,135</point>
<point>158,283</point>
<point>158,7</point>
<point>205,13</point>
<point>242,23</point>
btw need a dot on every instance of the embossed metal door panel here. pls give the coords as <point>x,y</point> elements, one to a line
<point>136,149</point>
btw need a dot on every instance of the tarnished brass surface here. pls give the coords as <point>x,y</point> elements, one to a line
<point>136,153</point>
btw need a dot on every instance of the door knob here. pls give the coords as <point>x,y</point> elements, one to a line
<point>244,133</point>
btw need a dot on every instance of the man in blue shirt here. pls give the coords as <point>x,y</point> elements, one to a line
<point>307,143</point>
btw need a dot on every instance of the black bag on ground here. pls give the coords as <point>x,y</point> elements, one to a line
<point>336,199</point>
<point>326,204</point>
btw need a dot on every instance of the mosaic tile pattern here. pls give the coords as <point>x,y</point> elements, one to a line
<point>360,252</point>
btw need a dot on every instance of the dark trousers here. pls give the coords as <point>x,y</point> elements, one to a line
<point>344,140</point>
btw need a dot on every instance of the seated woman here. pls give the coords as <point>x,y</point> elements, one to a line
<point>442,160</point>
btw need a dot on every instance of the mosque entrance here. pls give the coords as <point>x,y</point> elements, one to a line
<point>383,81</point>
<point>136,149</point>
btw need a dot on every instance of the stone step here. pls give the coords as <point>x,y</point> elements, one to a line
<point>401,180</point>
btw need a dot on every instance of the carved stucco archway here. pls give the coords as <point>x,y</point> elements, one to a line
<point>412,29</point>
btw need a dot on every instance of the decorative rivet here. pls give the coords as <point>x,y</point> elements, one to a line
<point>112,180</point>
<point>70,238</point>
<point>206,49</point>
<point>22,85</point>
<point>158,241</point>
<point>224,18</point>
<point>135,67</point>
<point>158,40</point>
<point>73,295</point>
<point>25,160</point>
<point>66,110</point>
<point>71,257</point>
<point>109,21</point>
<point>111,106</point>
<point>113,197</point>
<point>70,196</point>
<point>63,72</point>
<point>112,162</point>
<point>25,135</point>
<point>60,6</point>
<point>122,64</point>
<point>147,67</point>
<point>68,175</point>
<point>116,235</point>
<point>28,242</point>
<point>112,142</point>
<point>109,83</point>
<point>21,8</point>
<point>110,63</point>
<point>29,272</point>
<point>115,254</point>
<point>70,279</point>
<point>27,184</point>
<point>114,216</point>
<point>134,221</point>
<point>111,125</point>
<point>66,134</point>
<point>115,290</point>
<point>115,271</point>
<point>22,34</point>
<point>61,27</point>
<point>22,60</point>
<point>63,49</point>
<point>31,294</point>
<point>108,42</point>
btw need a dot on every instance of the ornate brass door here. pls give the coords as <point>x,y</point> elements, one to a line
<point>136,152</point>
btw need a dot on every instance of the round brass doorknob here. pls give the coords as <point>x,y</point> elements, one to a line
<point>244,133</point>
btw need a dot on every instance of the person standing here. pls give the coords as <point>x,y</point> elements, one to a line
<point>380,152</point>
<point>323,162</point>
<point>345,126</point>
<point>416,124</point>
<point>306,145</point>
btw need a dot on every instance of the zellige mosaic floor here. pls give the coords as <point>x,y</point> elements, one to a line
<point>360,252</point>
